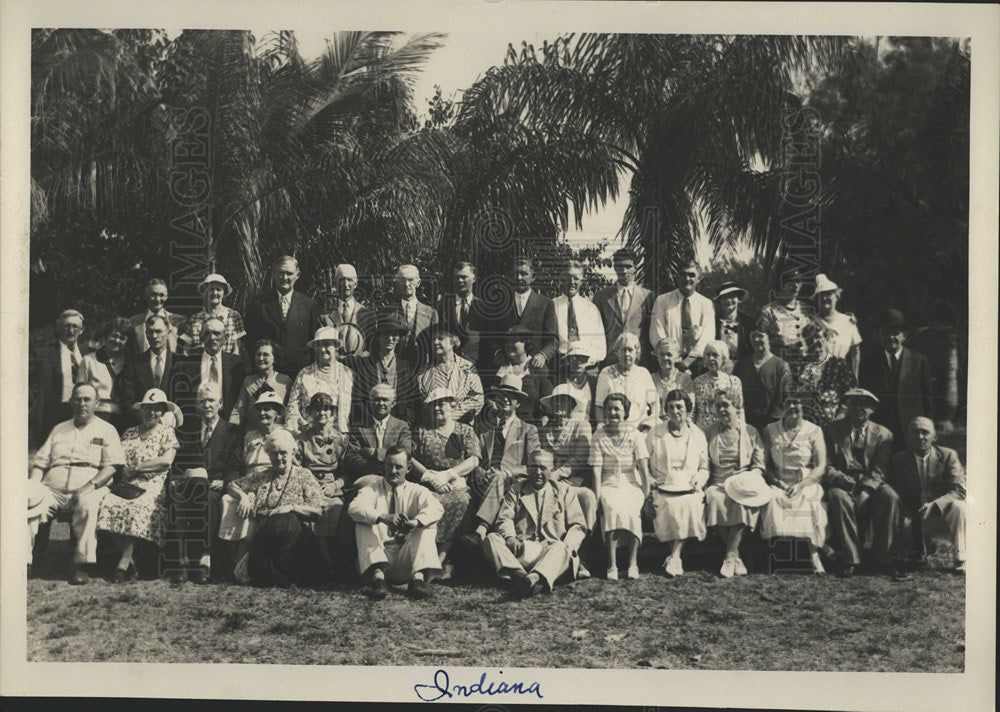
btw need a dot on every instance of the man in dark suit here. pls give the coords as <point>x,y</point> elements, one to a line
<point>206,461</point>
<point>414,345</point>
<point>156,296</point>
<point>534,312</point>
<point>369,440</point>
<point>732,325</point>
<point>899,377</point>
<point>348,312</point>
<point>857,459</point>
<point>284,316</point>
<point>53,370</point>
<point>463,309</point>
<point>928,484</point>
<point>150,369</point>
<point>384,365</point>
<point>625,306</point>
<point>212,365</point>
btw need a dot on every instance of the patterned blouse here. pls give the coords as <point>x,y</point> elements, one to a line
<point>321,450</point>
<point>231,320</point>
<point>821,386</point>
<point>138,450</point>
<point>268,492</point>
<point>438,453</point>
<point>337,382</point>
<point>705,387</point>
<point>461,379</point>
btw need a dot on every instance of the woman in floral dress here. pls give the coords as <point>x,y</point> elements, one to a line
<point>149,452</point>
<point>326,374</point>
<point>214,288</point>
<point>821,379</point>
<point>713,380</point>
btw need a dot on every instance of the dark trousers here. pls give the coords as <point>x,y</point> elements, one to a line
<point>192,521</point>
<point>284,551</point>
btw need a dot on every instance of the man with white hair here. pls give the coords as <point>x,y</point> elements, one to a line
<point>928,486</point>
<point>211,365</point>
<point>206,461</point>
<point>284,316</point>
<point>346,311</point>
<point>375,434</point>
<point>70,471</point>
<point>53,370</point>
<point>417,316</point>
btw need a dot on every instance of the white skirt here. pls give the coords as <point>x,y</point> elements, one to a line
<point>621,508</point>
<point>803,517</point>
<point>721,511</point>
<point>678,516</point>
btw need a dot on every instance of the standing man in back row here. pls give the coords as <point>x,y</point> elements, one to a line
<point>414,345</point>
<point>686,316</point>
<point>625,306</point>
<point>534,312</point>
<point>466,311</point>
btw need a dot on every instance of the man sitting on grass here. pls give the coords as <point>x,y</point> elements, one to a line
<point>396,524</point>
<point>539,530</point>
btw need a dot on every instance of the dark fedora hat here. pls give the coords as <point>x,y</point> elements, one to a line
<point>727,288</point>
<point>891,319</point>
<point>519,333</point>
<point>390,322</point>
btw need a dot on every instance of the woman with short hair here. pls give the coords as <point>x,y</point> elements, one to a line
<point>822,379</point>
<point>715,378</point>
<point>669,377</point>
<point>102,368</point>
<point>631,379</point>
<point>620,461</point>
<point>678,470</point>
<point>263,379</point>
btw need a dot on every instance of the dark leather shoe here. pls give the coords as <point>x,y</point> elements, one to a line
<point>201,575</point>
<point>119,576</point>
<point>178,577</point>
<point>846,571</point>
<point>131,574</point>
<point>538,588</point>
<point>379,590</point>
<point>470,541</point>
<point>522,584</point>
<point>897,574</point>
<point>79,577</point>
<point>418,591</point>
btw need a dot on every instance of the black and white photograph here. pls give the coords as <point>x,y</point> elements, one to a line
<point>560,352</point>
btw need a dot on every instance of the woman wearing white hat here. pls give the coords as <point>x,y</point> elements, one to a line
<point>270,413</point>
<point>796,463</point>
<point>214,288</point>
<point>736,464</point>
<point>678,470</point>
<point>845,339</point>
<point>325,374</point>
<point>140,511</point>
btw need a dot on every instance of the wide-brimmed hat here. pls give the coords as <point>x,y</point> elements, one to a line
<point>519,333</point>
<point>509,385</point>
<point>891,318</point>
<point>825,284</point>
<point>325,333</point>
<point>155,396</point>
<point>270,398</point>
<point>860,393</point>
<point>439,393</point>
<point>748,489</point>
<point>37,499</point>
<point>216,278</point>
<point>577,348</point>
<point>727,288</point>
<point>563,389</point>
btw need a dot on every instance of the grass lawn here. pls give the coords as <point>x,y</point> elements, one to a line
<point>787,621</point>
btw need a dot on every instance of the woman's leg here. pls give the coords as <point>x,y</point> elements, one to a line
<point>677,548</point>
<point>814,556</point>
<point>611,540</point>
<point>127,546</point>
<point>734,536</point>
<point>633,551</point>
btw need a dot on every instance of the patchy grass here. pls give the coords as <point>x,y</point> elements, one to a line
<point>788,621</point>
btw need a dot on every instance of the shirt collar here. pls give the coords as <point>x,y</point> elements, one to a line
<point>628,289</point>
<point>285,297</point>
<point>898,353</point>
<point>65,348</point>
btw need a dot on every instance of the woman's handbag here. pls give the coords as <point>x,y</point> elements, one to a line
<point>126,490</point>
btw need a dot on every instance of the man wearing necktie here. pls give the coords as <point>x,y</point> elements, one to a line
<point>417,316</point>
<point>347,312</point>
<point>534,312</point>
<point>213,366</point>
<point>155,295</point>
<point>625,306</point>
<point>53,370</point>
<point>858,452</point>
<point>465,309</point>
<point>370,439</point>
<point>686,316</point>
<point>577,319</point>
<point>898,376</point>
<point>539,530</point>
<point>395,526</point>
<point>150,369</point>
<point>928,486</point>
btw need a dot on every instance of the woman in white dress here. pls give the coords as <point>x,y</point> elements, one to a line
<point>734,447</point>
<point>844,340</point>
<point>326,374</point>
<point>632,380</point>
<point>678,467</point>
<point>621,481</point>
<point>796,461</point>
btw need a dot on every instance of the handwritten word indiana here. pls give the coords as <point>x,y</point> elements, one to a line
<point>442,687</point>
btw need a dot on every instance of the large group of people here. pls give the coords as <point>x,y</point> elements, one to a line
<point>272,448</point>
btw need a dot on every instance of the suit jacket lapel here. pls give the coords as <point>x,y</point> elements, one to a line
<point>273,309</point>
<point>488,446</point>
<point>369,435</point>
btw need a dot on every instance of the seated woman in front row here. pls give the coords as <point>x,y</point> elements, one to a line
<point>796,462</point>
<point>620,460</point>
<point>678,468</point>
<point>274,506</point>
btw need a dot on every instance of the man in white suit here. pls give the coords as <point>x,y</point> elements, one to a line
<point>684,315</point>
<point>577,319</point>
<point>396,524</point>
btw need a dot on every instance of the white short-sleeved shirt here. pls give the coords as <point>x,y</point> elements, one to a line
<point>71,456</point>
<point>846,334</point>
